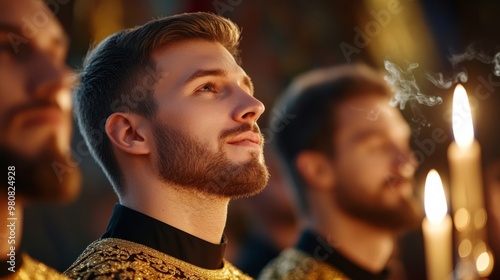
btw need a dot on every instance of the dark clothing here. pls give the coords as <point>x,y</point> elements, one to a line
<point>314,258</point>
<point>255,254</point>
<point>136,246</point>
<point>134,226</point>
<point>316,246</point>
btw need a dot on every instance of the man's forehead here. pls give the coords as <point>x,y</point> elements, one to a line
<point>30,21</point>
<point>21,11</point>
<point>193,50</point>
<point>367,108</point>
<point>372,113</point>
<point>184,58</point>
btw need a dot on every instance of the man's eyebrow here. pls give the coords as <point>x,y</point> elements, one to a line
<point>206,72</point>
<point>217,73</point>
<point>365,135</point>
<point>62,39</point>
<point>374,133</point>
<point>5,30</point>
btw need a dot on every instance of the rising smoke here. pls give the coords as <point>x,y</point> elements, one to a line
<point>472,54</point>
<point>445,83</point>
<point>405,86</point>
<point>407,91</point>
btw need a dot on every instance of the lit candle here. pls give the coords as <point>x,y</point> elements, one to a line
<point>437,229</point>
<point>464,155</point>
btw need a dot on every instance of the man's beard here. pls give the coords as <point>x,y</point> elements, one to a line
<point>36,178</point>
<point>187,163</point>
<point>406,215</point>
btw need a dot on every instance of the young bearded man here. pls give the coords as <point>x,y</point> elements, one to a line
<point>348,154</point>
<point>35,126</point>
<point>180,142</point>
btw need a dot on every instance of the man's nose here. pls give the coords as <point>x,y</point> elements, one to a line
<point>249,108</point>
<point>48,77</point>
<point>407,164</point>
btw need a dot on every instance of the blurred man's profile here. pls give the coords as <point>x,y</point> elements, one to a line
<point>35,125</point>
<point>348,155</point>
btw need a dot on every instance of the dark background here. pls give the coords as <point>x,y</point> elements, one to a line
<point>280,40</point>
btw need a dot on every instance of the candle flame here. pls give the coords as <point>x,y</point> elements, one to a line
<point>434,198</point>
<point>484,264</point>
<point>463,129</point>
<point>484,259</point>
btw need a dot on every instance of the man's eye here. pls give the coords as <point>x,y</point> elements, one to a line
<point>22,53</point>
<point>6,48</point>
<point>379,147</point>
<point>208,87</point>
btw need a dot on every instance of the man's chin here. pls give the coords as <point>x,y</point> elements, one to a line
<point>409,215</point>
<point>223,179</point>
<point>401,215</point>
<point>38,179</point>
<point>253,180</point>
<point>245,157</point>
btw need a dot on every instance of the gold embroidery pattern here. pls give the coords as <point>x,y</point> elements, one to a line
<point>113,258</point>
<point>293,264</point>
<point>35,270</point>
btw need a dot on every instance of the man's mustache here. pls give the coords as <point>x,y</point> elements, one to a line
<point>26,107</point>
<point>240,129</point>
<point>69,81</point>
<point>391,181</point>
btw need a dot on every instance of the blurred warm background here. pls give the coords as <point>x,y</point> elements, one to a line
<point>280,40</point>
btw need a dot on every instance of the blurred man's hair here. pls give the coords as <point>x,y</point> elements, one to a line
<point>314,99</point>
<point>119,75</point>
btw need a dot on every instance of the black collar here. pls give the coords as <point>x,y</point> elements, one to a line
<point>317,247</point>
<point>134,226</point>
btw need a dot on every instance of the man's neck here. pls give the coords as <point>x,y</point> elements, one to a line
<point>367,246</point>
<point>198,214</point>
<point>11,217</point>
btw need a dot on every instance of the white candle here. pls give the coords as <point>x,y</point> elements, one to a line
<point>437,229</point>
<point>464,155</point>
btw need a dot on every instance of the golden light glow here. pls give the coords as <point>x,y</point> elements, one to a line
<point>480,218</point>
<point>463,130</point>
<point>484,259</point>
<point>461,219</point>
<point>484,264</point>
<point>465,248</point>
<point>434,198</point>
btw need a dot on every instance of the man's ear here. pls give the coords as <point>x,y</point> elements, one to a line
<point>127,133</point>
<point>316,170</point>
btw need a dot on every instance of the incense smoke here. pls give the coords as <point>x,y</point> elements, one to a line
<point>496,61</point>
<point>439,81</point>
<point>406,90</point>
<point>405,86</point>
<point>471,54</point>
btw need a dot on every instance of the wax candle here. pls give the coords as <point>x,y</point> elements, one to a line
<point>464,156</point>
<point>437,230</point>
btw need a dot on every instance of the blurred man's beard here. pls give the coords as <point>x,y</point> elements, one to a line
<point>404,216</point>
<point>185,162</point>
<point>36,179</point>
